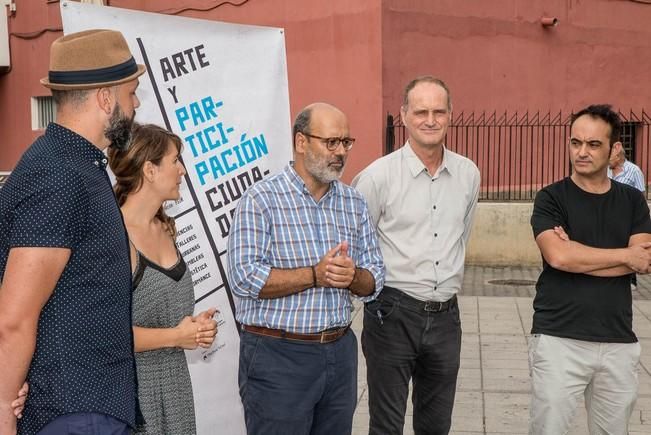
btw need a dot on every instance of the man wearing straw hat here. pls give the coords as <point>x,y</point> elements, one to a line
<point>65,293</point>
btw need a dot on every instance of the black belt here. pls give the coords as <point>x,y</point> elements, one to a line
<point>408,302</point>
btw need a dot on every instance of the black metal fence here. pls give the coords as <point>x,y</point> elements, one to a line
<point>519,153</point>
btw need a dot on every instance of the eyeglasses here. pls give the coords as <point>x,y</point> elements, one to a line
<point>332,143</point>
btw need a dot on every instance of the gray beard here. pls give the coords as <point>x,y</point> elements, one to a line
<point>323,173</point>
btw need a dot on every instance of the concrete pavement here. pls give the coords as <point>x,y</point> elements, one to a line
<point>493,389</point>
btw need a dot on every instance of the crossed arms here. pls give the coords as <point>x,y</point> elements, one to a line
<point>569,256</point>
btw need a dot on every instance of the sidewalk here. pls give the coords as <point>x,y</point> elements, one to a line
<point>520,281</point>
<point>493,387</point>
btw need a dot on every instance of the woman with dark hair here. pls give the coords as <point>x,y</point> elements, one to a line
<point>148,173</point>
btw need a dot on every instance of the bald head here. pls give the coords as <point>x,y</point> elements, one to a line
<point>316,113</point>
<point>321,144</point>
<point>324,108</point>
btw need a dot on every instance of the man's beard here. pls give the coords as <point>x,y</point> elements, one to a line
<point>321,169</point>
<point>118,131</point>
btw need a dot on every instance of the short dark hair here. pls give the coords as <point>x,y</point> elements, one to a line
<point>606,114</point>
<point>73,97</point>
<point>425,79</point>
<point>302,123</point>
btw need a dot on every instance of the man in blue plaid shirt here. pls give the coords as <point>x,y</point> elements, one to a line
<point>620,169</point>
<point>300,244</point>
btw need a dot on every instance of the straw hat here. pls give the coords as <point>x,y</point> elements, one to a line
<point>91,59</point>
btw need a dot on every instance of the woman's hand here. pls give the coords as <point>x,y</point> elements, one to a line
<point>207,327</point>
<point>186,333</point>
<point>198,331</point>
<point>19,404</point>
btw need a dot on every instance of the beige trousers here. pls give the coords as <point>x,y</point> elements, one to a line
<point>563,369</point>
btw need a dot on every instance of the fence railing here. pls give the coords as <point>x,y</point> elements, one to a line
<point>519,153</point>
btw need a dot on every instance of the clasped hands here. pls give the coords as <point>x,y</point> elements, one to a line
<point>197,331</point>
<point>336,268</point>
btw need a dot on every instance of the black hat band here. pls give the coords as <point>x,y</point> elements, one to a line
<point>100,75</point>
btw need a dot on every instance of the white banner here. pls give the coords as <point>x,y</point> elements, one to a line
<point>223,89</point>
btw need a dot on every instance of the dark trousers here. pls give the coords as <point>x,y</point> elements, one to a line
<point>402,341</point>
<point>297,388</point>
<point>86,424</point>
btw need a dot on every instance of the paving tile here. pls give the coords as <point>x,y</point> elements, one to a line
<point>470,351</point>
<point>644,307</point>
<point>645,386</point>
<point>470,373</point>
<point>645,343</point>
<point>503,348</point>
<point>507,385</point>
<point>505,364</point>
<point>467,419</point>
<point>505,374</point>
<point>521,355</point>
<point>513,338</point>
<point>498,324</point>
<point>470,363</point>
<point>469,398</point>
<point>470,327</point>
<point>468,384</point>
<point>641,321</point>
<point>468,304</point>
<point>507,412</point>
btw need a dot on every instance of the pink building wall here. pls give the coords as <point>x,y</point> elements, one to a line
<point>359,54</point>
<point>495,55</point>
<point>333,55</point>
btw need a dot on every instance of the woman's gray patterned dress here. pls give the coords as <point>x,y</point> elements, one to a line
<point>161,298</point>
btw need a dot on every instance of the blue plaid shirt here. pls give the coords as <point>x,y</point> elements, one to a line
<point>631,174</point>
<point>279,224</point>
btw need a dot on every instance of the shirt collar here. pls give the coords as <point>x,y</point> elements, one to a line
<point>76,146</point>
<point>416,165</point>
<point>298,183</point>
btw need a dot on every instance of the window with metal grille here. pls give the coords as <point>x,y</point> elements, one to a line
<point>627,138</point>
<point>43,112</point>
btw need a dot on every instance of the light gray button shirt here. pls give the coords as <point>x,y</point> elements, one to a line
<point>423,220</point>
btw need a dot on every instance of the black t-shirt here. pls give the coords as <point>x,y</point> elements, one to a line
<point>576,305</point>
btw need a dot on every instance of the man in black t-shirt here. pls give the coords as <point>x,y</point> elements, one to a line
<point>592,233</point>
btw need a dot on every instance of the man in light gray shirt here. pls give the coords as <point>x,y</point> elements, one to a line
<point>422,199</point>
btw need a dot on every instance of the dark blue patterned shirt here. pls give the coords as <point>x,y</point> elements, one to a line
<point>59,195</point>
